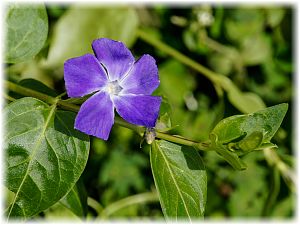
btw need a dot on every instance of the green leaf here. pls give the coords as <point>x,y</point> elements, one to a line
<point>285,208</point>
<point>229,156</point>
<point>243,22</point>
<point>76,200</point>
<point>38,86</point>
<point>221,63</point>
<point>79,26</point>
<point>123,172</point>
<point>175,81</point>
<point>58,212</point>
<point>215,29</point>
<point>241,134</point>
<point>164,122</point>
<point>27,31</point>
<point>246,102</point>
<point>274,15</point>
<point>180,178</point>
<point>32,69</point>
<point>242,202</point>
<point>45,156</point>
<point>256,49</point>
<point>189,40</point>
<point>9,197</point>
<point>266,121</point>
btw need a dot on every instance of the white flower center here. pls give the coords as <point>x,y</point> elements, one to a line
<point>113,87</point>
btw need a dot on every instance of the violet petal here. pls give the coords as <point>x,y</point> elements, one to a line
<point>96,116</point>
<point>83,75</point>
<point>142,78</point>
<point>138,109</point>
<point>114,55</point>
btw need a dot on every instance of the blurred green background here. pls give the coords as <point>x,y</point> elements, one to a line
<point>251,45</point>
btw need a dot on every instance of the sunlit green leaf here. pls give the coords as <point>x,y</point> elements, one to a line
<point>31,69</point>
<point>242,22</point>
<point>286,207</point>
<point>45,155</point>
<point>27,31</point>
<point>246,102</point>
<point>57,213</point>
<point>274,15</point>
<point>240,134</point>
<point>180,178</point>
<point>266,121</point>
<point>255,49</point>
<point>221,63</point>
<point>189,40</point>
<point>80,25</point>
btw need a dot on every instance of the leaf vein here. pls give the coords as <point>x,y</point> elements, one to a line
<point>175,182</point>
<point>32,155</point>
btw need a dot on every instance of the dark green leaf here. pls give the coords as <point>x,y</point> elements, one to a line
<point>180,178</point>
<point>27,31</point>
<point>215,29</point>
<point>45,156</point>
<point>76,200</point>
<point>36,86</point>
<point>56,10</point>
<point>79,26</point>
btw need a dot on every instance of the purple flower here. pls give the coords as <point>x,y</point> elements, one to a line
<point>117,81</point>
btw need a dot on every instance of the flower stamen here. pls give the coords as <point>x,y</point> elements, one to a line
<point>113,88</point>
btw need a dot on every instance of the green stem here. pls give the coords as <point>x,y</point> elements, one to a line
<point>119,121</point>
<point>131,200</point>
<point>286,171</point>
<point>183,141</point>
<point>138,129</point>
<point>273,192</point>
<point>9,98</point>
<point>95,205</point>
<point>28,92</point>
